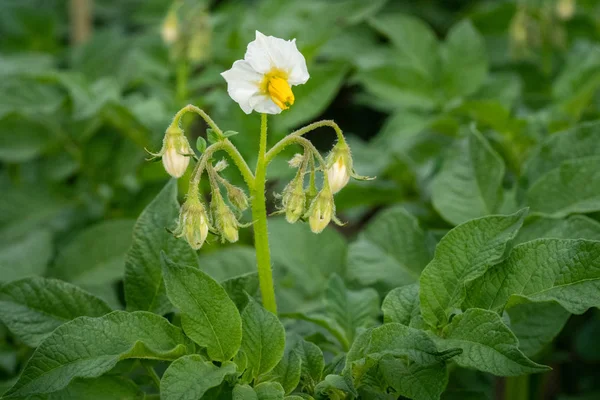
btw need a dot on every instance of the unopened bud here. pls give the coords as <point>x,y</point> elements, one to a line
<point>321,210</point>
<point>237,197</point>
<point>225,221</point>
<point>169,30</point>
<point>176,152</point>
<point>193,223</point>
<point>294,199</point>
<point>339,166</point>
<point>565,9</point>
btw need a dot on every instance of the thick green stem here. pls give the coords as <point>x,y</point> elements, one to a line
<point>259,215</point>
<point>516,388</point>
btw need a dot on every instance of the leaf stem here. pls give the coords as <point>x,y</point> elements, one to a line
<point>152,374</point>
<point>259,215</point>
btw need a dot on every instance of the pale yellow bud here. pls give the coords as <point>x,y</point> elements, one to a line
<point>321,211</point>
<point>339,166</point>
<point>338,175</point>
<point>294,200</point>
<point>224,219</point>
<point>175,156</point>
<point>169,30</point>
<point>193,223</point>
<point>566,9</point>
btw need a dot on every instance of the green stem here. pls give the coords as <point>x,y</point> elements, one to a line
<point>235,155</point>
<point>295,137</point>
<point>516,388</point>
<point>152,374</point>
<point>291,139</point>
<point>259,215</point>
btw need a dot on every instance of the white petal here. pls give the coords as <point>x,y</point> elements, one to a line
<point>262,103</point>
<point>268,52</point>
<point>242,83</point>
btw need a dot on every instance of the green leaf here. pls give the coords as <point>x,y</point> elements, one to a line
<point>238,288</point>
<point>269,391</point>
<point>208,316</point>
<point>413,380</point>
<point>578,142</point>
<point>571,188</point>
<point>201,144</point>
<point>464,254</point>
<point>414,41</point>
<point>263,339</point>
<point>391,250</point>
<point>144,286</point>
<point>190,377</point>
<point>244,392</point>
<point>230,133</point>
<point>561,270</point>
<point>100,344</point>
<point>212,136</point>
<point>470,182</point>
<point>351,309</point>
<point>287,372</point>
<point>464,61</point>
<point>24,139</point>
<point>573,227</point>
<point>228,263</point>
<point>25,256</point>
<point>304,264</point>
<point>312,362</point>
<point>33,307</point>
<point>425,375</point>
<point>536,324</point>
<point>335,386</point>
<point>96,255</point>
<point>101,388</point>
<point>488,345</point>
<point>402,305</point>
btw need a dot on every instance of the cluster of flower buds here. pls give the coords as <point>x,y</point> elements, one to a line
<point>175,152</point>
<point>193,222</point>
<point>225,220</point>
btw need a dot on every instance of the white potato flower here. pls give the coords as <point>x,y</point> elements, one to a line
<point>262,81</point>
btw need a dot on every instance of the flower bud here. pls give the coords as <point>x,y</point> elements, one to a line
<point>169,30</point>
<point>321,210</point>
<point>294,199</point>
<point>193,223</point>
<point>237,197</point>
<point>175,152</point>
<point>566,9</point>
<point>225,221</point>
<point>339,166</point>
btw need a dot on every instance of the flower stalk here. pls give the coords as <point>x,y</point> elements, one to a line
<point>261,82</point>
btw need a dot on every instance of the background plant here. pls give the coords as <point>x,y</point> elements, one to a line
<point>73,128</point>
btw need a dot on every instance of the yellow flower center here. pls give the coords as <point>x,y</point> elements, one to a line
<point>276,86</point>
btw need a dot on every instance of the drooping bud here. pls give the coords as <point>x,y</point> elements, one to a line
<point>294,199</point>
<point>322,210</point>
<point>225,221</point>
<point>237,197</point>
<point>169,29</point>
<point>339,166</point>
<point>193,223</point>
<point>175,152</point>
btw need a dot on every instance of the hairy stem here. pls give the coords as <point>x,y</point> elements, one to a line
<point>235,155</point>
<point>259,215</point>
<point>516,387</point>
